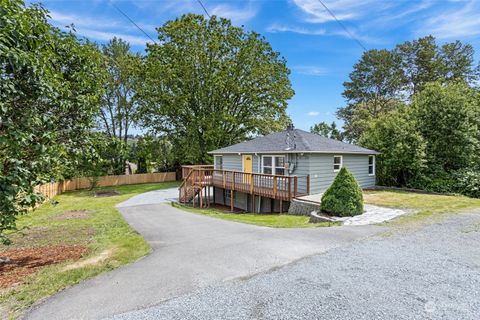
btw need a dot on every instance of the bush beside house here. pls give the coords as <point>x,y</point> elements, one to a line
<point>344,197</point>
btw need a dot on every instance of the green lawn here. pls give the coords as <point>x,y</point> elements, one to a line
<point>427,205</point>
<point>265,220</point>
<point>103,231</point>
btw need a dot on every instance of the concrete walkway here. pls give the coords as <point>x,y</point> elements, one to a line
<point>189,252</point>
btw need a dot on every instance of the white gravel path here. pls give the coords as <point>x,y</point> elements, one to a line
<point>374,215</point>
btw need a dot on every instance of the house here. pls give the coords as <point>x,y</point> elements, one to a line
<point>266,173</point>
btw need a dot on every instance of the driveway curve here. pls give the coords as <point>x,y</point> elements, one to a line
<point>189,251</point>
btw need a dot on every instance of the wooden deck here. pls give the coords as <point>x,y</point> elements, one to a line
<point>196,179</point>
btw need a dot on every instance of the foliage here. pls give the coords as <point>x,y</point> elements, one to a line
<point>210,84</point>
<point>344,197</point>
<point>326,130</point>
<point>104,231</point>
<point>50,85</point>
<point>467,182</point>
<point>402,148</point>
<point>153,153</point>
<point>119,106</point>
<point>447,118</point>
<point>382,78</point>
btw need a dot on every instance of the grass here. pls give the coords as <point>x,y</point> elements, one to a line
<point>264,220</point>
<point>104,230</point>
<point>426,205</point>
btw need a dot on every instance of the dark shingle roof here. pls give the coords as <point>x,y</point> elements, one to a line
<point>304,142</point>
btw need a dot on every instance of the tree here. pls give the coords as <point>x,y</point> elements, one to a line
<point>210,84</point>
<point>119,106</point>
<point>50,85</point>
<point>448,118</point>
<point>375,85</point>
<point>326,130</point>
<point>385,79</point>
<point>344,197</point>
<point>402,148</point>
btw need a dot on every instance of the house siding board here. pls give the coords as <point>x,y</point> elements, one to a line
<point>322,175</point>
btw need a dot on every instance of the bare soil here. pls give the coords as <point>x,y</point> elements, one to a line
<point>72,214</point>
<point>109,193</point>
<point>26,261</point>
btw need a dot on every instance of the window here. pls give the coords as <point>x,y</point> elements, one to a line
<point>218,162</point>
<point>273,165</point>
<point>337,163</point>
<point>371,165</point>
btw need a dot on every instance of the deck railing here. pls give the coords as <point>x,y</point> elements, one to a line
<point>266,185</point>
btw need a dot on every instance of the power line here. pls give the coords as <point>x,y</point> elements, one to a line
<point>342,25</point>
<point>133,22</point>
<point>204,9</point>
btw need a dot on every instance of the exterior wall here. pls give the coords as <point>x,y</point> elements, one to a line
<point>318,166</point>
<point>322,174</point>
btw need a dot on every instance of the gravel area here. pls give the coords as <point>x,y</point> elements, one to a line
<point>432,273</point>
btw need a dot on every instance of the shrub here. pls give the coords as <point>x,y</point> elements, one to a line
<point>344,197</point>
<point>468,182</point>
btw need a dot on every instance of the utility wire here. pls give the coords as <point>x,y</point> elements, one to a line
<point>343,26</point>
<point>133,22</point>
<point>204,9</point>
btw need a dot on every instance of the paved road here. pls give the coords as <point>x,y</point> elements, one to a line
<point>189,252</point>
<point>433,273</point>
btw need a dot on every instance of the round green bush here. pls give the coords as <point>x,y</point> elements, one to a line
<point>344,197</point>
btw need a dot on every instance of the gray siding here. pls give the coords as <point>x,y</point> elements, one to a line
<point>318,166</point>
<point>322,175</point>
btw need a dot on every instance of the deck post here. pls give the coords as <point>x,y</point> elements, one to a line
<point>295,186</point>
<point>201,199</point>
<point>231,200</point>
<point>281,206</point>
<point>251,183</point>
<point>274,186</point>
<point>289,188</point>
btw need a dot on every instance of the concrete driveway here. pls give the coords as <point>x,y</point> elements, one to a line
<point>189,252</point>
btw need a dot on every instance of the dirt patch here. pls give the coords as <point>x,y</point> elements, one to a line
<point>26,261</point>
<point>50,236</point>
<point>90,261</point>
<point>72,215</point>
<point>109,193</point>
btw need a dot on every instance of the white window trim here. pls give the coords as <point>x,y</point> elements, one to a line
<point>341,163</point>
<point>215,161</point>
<point>273,162</point>
<point>374,164</point>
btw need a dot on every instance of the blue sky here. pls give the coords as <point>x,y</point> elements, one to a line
<point>318,51</point>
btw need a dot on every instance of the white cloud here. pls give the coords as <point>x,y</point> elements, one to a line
<point>313,113</point>
<point>274,28</point>
<point>343,9</point>
<point>454,23</point>
<point>310,70</point>
<point>105,36</point>
<point>237,15</point>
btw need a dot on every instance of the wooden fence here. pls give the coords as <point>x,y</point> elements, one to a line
<point>53,188</point>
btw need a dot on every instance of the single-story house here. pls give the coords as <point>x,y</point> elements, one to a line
<point>266,173</point>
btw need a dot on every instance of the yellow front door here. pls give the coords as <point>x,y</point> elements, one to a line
<point>247,167</point>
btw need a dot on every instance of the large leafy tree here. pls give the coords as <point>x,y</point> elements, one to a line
<point>448,118</point>
<point>119,107</point>
<point>402,148</point>
<point>383,78</point>
<point>50,85</point>
<point>209,84</point>
<point>327,130</point>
